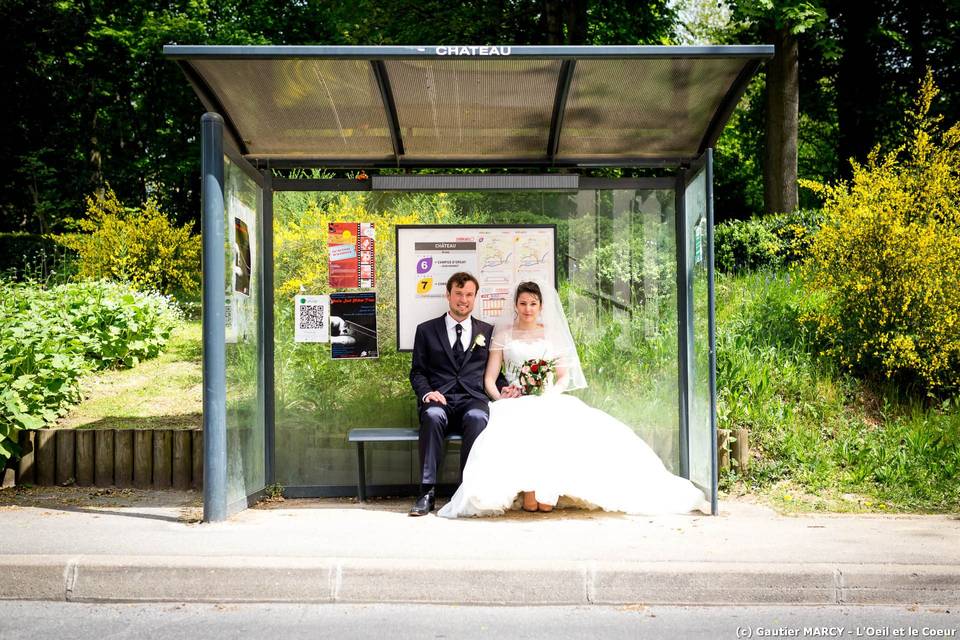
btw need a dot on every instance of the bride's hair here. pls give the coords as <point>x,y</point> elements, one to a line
<point>528,287</point>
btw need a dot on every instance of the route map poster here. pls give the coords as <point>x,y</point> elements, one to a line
<point>352,255</point>
<point>498,257</point>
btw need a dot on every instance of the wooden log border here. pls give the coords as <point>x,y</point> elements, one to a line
<point>733,450</point>
<point>148,458</point>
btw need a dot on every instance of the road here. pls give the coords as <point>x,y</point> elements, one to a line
<point>78,621</point>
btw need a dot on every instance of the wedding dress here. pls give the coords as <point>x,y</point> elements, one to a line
<point>560,447</point>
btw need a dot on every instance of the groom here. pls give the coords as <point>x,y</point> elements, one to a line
<point>449,359</point>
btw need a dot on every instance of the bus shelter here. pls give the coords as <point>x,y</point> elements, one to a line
<point>295,138</point>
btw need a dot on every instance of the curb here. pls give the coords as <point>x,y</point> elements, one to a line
<point>332,580</point>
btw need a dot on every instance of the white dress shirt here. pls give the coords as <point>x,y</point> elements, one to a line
<point>465,336</point>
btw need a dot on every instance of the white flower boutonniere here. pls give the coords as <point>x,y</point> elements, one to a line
<point>479,341</point>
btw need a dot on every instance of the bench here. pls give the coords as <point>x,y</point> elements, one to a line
<point>363,436</point>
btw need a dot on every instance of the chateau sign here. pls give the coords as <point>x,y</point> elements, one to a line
<point>473,51</point>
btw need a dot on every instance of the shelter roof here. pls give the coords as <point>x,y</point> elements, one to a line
<point>471,106</point>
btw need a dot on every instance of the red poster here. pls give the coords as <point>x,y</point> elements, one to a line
<point>352,255</point>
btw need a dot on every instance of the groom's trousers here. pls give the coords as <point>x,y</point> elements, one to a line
<point>462,414</point>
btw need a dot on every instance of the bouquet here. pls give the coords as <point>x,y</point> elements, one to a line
<point>535,374</point>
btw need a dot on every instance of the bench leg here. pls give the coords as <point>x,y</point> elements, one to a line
<point>361,474</point>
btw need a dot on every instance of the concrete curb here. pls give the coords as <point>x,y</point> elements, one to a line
<point>291,579</point>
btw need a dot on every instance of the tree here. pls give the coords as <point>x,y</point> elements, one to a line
<point>780,22</point>
<point>94,100</point>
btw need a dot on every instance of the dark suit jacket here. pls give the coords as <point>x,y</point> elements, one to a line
<point>434,368</point>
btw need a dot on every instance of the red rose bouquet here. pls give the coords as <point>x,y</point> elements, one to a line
<point>535,374</point>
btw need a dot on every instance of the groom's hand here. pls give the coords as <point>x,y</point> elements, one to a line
<point>435,396</point>
<point>510,392</point>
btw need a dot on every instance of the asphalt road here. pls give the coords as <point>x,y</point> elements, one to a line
<point>19,619</point>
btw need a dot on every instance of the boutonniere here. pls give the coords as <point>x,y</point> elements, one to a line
<point>479,341</point>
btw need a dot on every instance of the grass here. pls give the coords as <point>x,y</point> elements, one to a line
<point>165,392</point>
<point>821,439</point>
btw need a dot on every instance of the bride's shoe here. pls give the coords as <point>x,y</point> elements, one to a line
<point>546,508</point>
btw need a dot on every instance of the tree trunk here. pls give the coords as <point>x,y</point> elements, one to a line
<point>552,19</point>
<point>783,100</point>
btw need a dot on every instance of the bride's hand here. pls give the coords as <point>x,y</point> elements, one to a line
<point>510,392</point>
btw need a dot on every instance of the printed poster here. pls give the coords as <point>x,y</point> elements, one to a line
<point>312,319</point>
<point>239,310</point>
<point>352,248</point>
<point>353,325</point>
<point>241,257</point>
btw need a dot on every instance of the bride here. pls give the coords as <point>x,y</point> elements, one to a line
<point>546,444</point>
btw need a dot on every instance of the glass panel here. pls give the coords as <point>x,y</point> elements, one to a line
<point>462,108</point>
<point>643,108</point>
<point>701,437</point>
<point>245,452</point>
<point>616,256</point>
<point>303,108</point>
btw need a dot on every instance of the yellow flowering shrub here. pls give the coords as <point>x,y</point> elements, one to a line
<point>138,246</point>
<point>884,270</point>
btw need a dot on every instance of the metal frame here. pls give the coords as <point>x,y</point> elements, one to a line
<point>684,321</point>
<point>214,302</point>
<point>383,81</point>
<point>712,332</point>
<point>388,162</point>
<point>395,52</point>
<point>268,319</point>
<point>271,185</point>
<point>559,107</point>
<point>214,145</point>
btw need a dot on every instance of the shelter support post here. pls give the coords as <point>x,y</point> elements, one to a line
<point>214,303</point>
<point>684,324</point>
<point>712,331</point>
<point>267,386</point>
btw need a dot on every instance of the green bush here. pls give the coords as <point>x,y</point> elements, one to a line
<point>50,337</point>
<point>770,241</point>
<point>885,268</point>
<point>139,246</point>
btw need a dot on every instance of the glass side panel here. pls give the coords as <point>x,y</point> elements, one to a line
<point>245,441</point>
<point>701,437</point>
<point>616,257</point>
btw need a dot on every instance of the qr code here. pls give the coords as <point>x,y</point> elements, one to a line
<point>311,316</point>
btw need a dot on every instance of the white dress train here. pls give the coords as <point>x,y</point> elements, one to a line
<point>558,446</point>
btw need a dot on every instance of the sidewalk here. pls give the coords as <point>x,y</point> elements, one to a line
<point>148,546</point>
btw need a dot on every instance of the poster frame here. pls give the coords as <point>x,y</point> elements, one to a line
<point>396,255</point>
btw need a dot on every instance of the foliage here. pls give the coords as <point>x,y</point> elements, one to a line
<point>139,246</point>
<point>25,256</point>
<point>50,337</point>
<point>95,101</point>
<point>811,424</point>
<point>885,267</point>
<point>769,241</point>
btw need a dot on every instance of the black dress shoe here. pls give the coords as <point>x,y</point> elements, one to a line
<point>424,505</point>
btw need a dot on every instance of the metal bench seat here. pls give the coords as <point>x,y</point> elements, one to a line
<point>363,436</point>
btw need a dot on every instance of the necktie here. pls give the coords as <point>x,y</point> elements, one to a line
<point>457,345</point>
